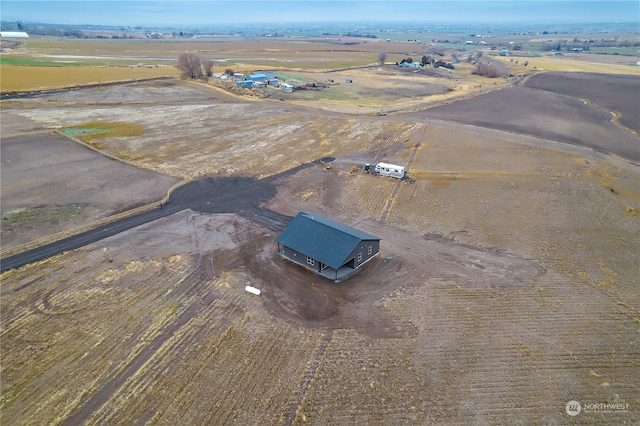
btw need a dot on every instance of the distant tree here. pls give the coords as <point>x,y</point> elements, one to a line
<point>229,71</point>
<point>526,63</point>
<point>487,70</point>
<point>190,66</point>
<point>382,58</point>
<point>207,67</point>
<point>517,47</point>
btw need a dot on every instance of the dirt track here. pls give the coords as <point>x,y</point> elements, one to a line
<point>507,283</point>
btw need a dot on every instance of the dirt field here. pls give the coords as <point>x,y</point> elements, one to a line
<point>16,79</point>
<point>553,116</point>
<point>50,184</point>
<point>614,92</point>
<point>506,286</point>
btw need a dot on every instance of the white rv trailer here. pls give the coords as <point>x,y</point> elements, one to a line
<point>392,170</point>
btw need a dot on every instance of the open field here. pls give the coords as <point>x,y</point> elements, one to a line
<point>49,184</point>
<point>507,283</point>
<point>551,114</point>
<point>615,93</point>
<point>574,62</point>
<point>18,78</point>
<point>130,59</point>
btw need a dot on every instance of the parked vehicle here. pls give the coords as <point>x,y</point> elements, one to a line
<point>392,170</point>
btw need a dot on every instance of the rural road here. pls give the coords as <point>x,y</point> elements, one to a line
<point>240,195</point>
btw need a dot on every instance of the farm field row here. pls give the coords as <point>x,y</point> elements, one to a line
<point>19,78</point>
<point>622,65</point>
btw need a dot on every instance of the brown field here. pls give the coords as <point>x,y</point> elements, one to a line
<point>50,185</point>
<point>553,116</point>
<point>507,283</point>
<point>615,93</point>
<point>575,62</point>
<point>18,79</point>
<point>136,59</point>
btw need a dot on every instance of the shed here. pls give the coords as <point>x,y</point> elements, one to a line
<point>258,77</point>
<point>329,248</point>
<point>13,34</point>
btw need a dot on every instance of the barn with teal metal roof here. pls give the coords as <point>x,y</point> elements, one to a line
<point>332,249</point>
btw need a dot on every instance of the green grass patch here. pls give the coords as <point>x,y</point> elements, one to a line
<point>293,78</point>
<point>26,62</point>
<point>622,51</point>
<point>50,214</point>
<point>93,131</point>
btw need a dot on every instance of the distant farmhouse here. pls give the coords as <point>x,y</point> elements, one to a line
<point>331,249</point>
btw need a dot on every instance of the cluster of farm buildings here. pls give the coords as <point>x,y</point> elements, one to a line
<point>259,79</point>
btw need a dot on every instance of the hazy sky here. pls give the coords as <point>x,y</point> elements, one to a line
<point>202,13</point>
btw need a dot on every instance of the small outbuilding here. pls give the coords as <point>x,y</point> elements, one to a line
<point>258,77</point>
<point>329,248</point>
<point>13,34</point>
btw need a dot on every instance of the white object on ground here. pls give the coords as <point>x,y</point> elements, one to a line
<point>252,290</point>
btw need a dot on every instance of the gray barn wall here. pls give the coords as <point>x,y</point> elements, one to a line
<point>299,258</point>
<point>363,248</point>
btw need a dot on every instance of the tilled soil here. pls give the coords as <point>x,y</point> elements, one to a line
<point>549,115</point>
<point>506,285</point>
<point>615,92</point>
<point>51,184</point>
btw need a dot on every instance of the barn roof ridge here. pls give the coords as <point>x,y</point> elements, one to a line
<point>338,226</point>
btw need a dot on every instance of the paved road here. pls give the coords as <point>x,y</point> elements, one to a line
<point>241,195</point>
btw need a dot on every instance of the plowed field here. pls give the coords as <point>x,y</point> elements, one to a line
<point>506,286</point>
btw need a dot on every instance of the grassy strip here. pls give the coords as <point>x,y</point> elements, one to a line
<point>21,61</point>
<point>92,131</point>
<point>36,215</point>
<point>26,78</point>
